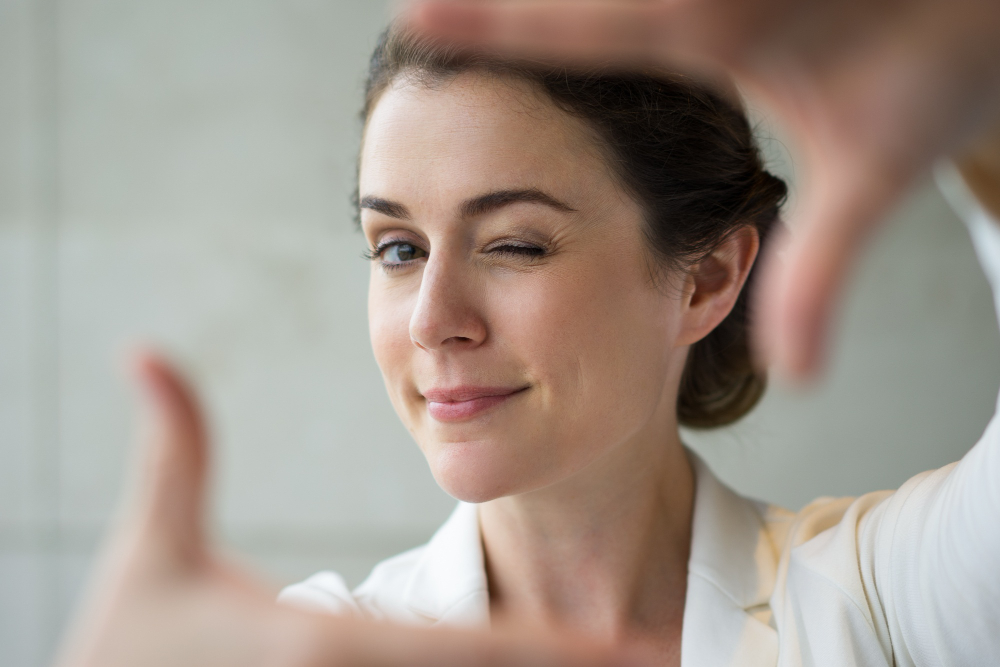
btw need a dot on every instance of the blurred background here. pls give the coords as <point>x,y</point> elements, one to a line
<point>180,172</point>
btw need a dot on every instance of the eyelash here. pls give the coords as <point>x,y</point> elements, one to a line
<point>519,250</point>
<point>510,249</point>
<point>374,254</point>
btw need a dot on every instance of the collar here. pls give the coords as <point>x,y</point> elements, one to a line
<point>731,573</point>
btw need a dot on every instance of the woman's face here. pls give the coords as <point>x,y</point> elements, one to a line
<point>511,305</point>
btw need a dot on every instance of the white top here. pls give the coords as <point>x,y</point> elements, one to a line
<point>910,577</point>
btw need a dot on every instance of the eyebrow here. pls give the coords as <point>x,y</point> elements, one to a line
<point>385,207</point>
<point>492,201</point>
<point>481,205</point>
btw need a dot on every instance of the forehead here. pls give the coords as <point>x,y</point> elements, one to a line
<point>475,133</point>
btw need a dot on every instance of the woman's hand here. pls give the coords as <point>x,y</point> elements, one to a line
<point>873,90</point>
<point>162,597</point>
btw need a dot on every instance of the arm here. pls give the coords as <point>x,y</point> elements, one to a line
<point>911,577</point>
<point>936,542</point>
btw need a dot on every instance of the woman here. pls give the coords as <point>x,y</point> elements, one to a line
<point>559,270</point>
<point>592,515</point>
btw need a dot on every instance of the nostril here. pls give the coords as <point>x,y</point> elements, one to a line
<point>458,339</point>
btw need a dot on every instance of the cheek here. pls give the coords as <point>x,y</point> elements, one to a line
<point>599,343</point>
<point>389,329</point>
<point>590,319</point>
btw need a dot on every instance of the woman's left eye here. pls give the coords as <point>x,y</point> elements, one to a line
<point>517,250</point>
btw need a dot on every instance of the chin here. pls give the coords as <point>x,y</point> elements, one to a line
<point>477,472</point>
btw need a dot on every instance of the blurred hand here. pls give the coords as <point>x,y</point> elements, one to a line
<point>873,91</point>
<point>163,598</point>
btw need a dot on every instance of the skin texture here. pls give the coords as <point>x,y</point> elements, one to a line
<point>586,490</point>
<point>580,327</point>
<point>873,91</point>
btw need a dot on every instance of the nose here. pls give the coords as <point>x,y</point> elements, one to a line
<point>448,310</point>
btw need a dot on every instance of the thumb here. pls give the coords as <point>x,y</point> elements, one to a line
<point>173,476</point>
<point>162,531</point>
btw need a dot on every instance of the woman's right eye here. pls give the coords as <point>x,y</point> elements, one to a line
<point>396,253</point>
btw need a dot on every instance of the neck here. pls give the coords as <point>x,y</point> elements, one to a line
<point>604,552</point>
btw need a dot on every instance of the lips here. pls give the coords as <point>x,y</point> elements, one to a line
<point>461,403</point>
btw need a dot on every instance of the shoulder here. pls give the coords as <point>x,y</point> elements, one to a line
<point>847,538</point>
<point>837,557</point>
<point>379,596</point>
<point>324,592</point>
<point>441,581</point>
<point>385,594</point>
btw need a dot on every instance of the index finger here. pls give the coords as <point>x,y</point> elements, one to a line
<point>586,32</point>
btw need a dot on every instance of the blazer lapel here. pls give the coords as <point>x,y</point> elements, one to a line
<point>731,573</point>
<point>448,583</point>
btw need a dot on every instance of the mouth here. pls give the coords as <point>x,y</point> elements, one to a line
<point>463,403</point>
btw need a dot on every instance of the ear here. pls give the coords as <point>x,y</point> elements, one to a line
<point>712,285</point>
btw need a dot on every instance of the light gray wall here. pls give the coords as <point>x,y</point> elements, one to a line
<point>180,171</point>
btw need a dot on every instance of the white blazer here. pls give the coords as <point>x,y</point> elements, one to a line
<point>901,578</point>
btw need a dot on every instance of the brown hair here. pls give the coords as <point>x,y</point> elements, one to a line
<point>687,156</point>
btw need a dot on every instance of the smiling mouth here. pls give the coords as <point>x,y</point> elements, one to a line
<point>463,403</point>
